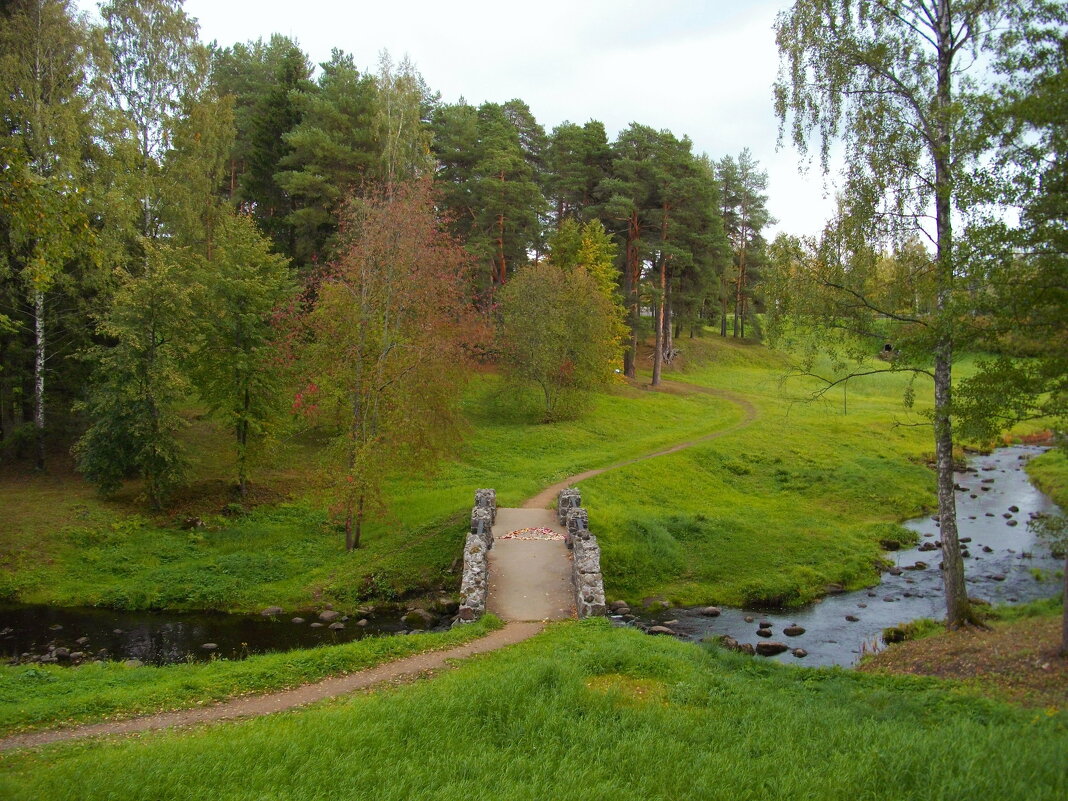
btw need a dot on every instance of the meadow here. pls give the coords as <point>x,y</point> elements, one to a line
<point>72,548</point>
<point>774,513</point>
<point>770,513</point>
<point>588,711</point>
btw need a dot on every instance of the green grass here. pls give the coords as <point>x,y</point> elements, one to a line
<point>772,513</point>
<point>46,696</point>
<point>95,553</point>
<point>589,712</point>
<point>768,514</point>
<point>1049,472</point>
<point>1043,607</point>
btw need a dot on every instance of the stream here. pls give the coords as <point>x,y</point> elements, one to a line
<point>1001,553</point>
<point>73,635</point>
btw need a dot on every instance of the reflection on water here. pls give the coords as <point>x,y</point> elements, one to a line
<point>168,637</point>
<point>994,502</point>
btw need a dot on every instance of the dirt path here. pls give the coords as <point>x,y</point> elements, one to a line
<point>533,584</point>
<point>407,668</point>
<point>529,579</point>
<point>545,498</point>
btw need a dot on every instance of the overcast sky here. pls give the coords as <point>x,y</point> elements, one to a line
<point>701,69</point>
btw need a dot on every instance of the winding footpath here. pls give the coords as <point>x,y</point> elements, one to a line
<point>545,498</point>
<point>525,607</point>
<point>250,706</point>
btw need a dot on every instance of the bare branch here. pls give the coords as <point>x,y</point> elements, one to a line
<point>869,305</point>
<point>910,25</point>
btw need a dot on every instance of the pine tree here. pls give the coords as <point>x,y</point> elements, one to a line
<point>331,152</point>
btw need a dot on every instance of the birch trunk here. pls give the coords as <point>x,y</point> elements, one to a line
<point>39,377</point>
<point>958,609</point>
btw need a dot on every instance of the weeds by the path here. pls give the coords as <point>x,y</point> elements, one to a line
<point>44,696</point>
<point>586,711</point>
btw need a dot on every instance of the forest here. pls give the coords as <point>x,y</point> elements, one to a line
<point>266,324</point>
<point>173,209</point>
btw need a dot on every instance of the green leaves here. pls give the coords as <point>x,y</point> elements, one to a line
<point>382,369</point>
<point>561,332</point>
<point>137,380</point>
<point>233,362</point>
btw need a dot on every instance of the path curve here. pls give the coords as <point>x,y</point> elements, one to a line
<point>250,706</point>
<point>545,498</point>
<point>401,669</point>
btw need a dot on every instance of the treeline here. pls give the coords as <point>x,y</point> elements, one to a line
<point>162,200</point>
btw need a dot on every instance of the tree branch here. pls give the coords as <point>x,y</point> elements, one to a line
<point>869,305</point>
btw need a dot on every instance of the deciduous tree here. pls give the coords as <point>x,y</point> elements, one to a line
<point>234,364</point>
<point>890,79</point>
<point>139,378</point>
<point>559,332</point>
<point>385,361</point>
<point>45,119</point>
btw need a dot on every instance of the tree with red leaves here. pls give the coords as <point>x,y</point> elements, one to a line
<point>385,359</point>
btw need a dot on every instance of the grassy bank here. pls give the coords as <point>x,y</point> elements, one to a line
<point>773,513</point>
<point>770,513</point>
<point>46,696</point>
<point>1015,660</point>
<point>73,548</point>
<point>1049,472</point>
<point>621,716</point>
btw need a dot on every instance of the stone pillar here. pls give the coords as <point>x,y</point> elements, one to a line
<point>589,583</point>
<point>567,499</point>
<point>474,585</point>
<point>487,499</point>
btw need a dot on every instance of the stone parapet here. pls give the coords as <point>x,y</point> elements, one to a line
<point>474,586</point>
<point>567,499</point>
<point>586,559</point>
<point>487,499</point>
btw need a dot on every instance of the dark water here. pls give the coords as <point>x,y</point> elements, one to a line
<point>169,637</point>
<point>993,483</point>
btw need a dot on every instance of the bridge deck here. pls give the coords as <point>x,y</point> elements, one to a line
<point>529,579</point>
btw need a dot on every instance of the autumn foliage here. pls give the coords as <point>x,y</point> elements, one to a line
<point>387,336</point>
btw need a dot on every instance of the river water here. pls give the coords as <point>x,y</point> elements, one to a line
<point>1003,574</point>
<point>162,638</point>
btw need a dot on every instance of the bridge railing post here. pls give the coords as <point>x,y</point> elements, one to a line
<point>586,562</point>
<point>474,586</point>
<point>567,500</point>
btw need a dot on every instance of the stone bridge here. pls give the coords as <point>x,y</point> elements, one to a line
<point>531,564</point>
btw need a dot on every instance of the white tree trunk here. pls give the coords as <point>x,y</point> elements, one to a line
<point>39,375</point>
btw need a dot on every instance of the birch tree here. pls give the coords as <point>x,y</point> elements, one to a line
<point>45,118</point>
<point>900,84</point>
<point>384,367</point>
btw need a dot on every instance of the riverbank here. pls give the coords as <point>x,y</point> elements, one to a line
<point>1016,660</point>
<point>1004,564</point>
<point>802,499</point>
<point>49,696</point>
<point>585,710</point>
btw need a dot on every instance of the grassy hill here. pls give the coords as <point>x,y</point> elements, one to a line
<point>586,711</point>
<point>771,512</point>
